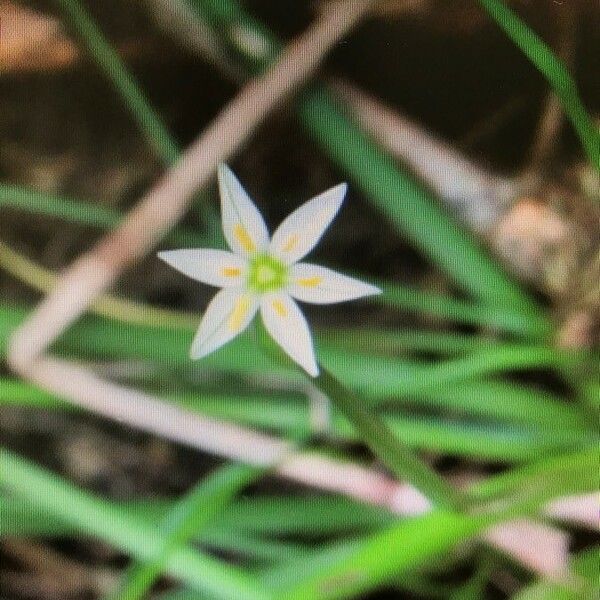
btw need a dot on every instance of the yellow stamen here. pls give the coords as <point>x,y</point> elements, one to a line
<point>231,271</point>
<point>238,314</point>
<point>310,281</point>
<point>280,308</point>
<point>244,238</point>
<point>291,243</point>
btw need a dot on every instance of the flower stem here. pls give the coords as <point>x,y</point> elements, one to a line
<point>396,455</point>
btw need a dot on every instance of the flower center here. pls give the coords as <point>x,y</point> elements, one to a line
<point>266,274</point>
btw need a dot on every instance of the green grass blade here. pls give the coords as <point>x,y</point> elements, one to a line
<point>183,594</point>
<point>262,517</point>
<point>407,205</point>
<point>546,590</point>
<point>110,63</point>
<point>20,518</point>
<point>534,483</point>
<point>489,401</point>
<point>257,549</point>
<point>504,318</point>
<point>85,213</point>
<point>348,569</point>
<point>95,517</point>
<point>185,520</point>
<point>553,70</point>
<point>397,296</point>
<point>586,564</point>
<point>399,342</point>
<point>496,400</point>
<point>401,377</point>
<point>312,516</point>
<point>93,338</point>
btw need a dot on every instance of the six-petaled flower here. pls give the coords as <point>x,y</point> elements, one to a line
<point>263,273</point>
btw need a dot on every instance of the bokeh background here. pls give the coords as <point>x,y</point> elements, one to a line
<point>446,99</point>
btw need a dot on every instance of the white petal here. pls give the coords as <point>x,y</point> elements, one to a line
<point>287,326</point>
<point>243,225</point>
<point>300,232</point>
<point>227,315</point>
<point>318,285</point>
<point>215,267</point>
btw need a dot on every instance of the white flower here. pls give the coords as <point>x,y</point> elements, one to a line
<point>265,274</point>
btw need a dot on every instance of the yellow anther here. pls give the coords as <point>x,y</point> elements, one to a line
<point>310,281</point>
<point>238,314</point>
<point>279,308</point>
<point>231,271</point>
<point>291,243</point>
<point>244,238</point>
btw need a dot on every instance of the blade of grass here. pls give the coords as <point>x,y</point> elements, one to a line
<point>500,400</point>
<point>133,536</point>
<point>505,318</point>
<point>396,379</point>
<point>184,520</point>
<point>535,483</point>
<point>93,338</point>
<point>553,70</point>
<point>87,213</point>
<point>546,590</point>
<point>21,519</point>
<point>109,306</point>
<point>183,594</point>
<point>311,516</point>
<point>453,436</point>
<point>348,569</point>
<point>407,205</point>
<point>110,63</point>
<point>380,341</point>
<point>586,564</point>
<point>257,549</point>
<point>275,411</point>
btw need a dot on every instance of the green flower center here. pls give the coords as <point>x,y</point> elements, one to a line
<point>266,274</point>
